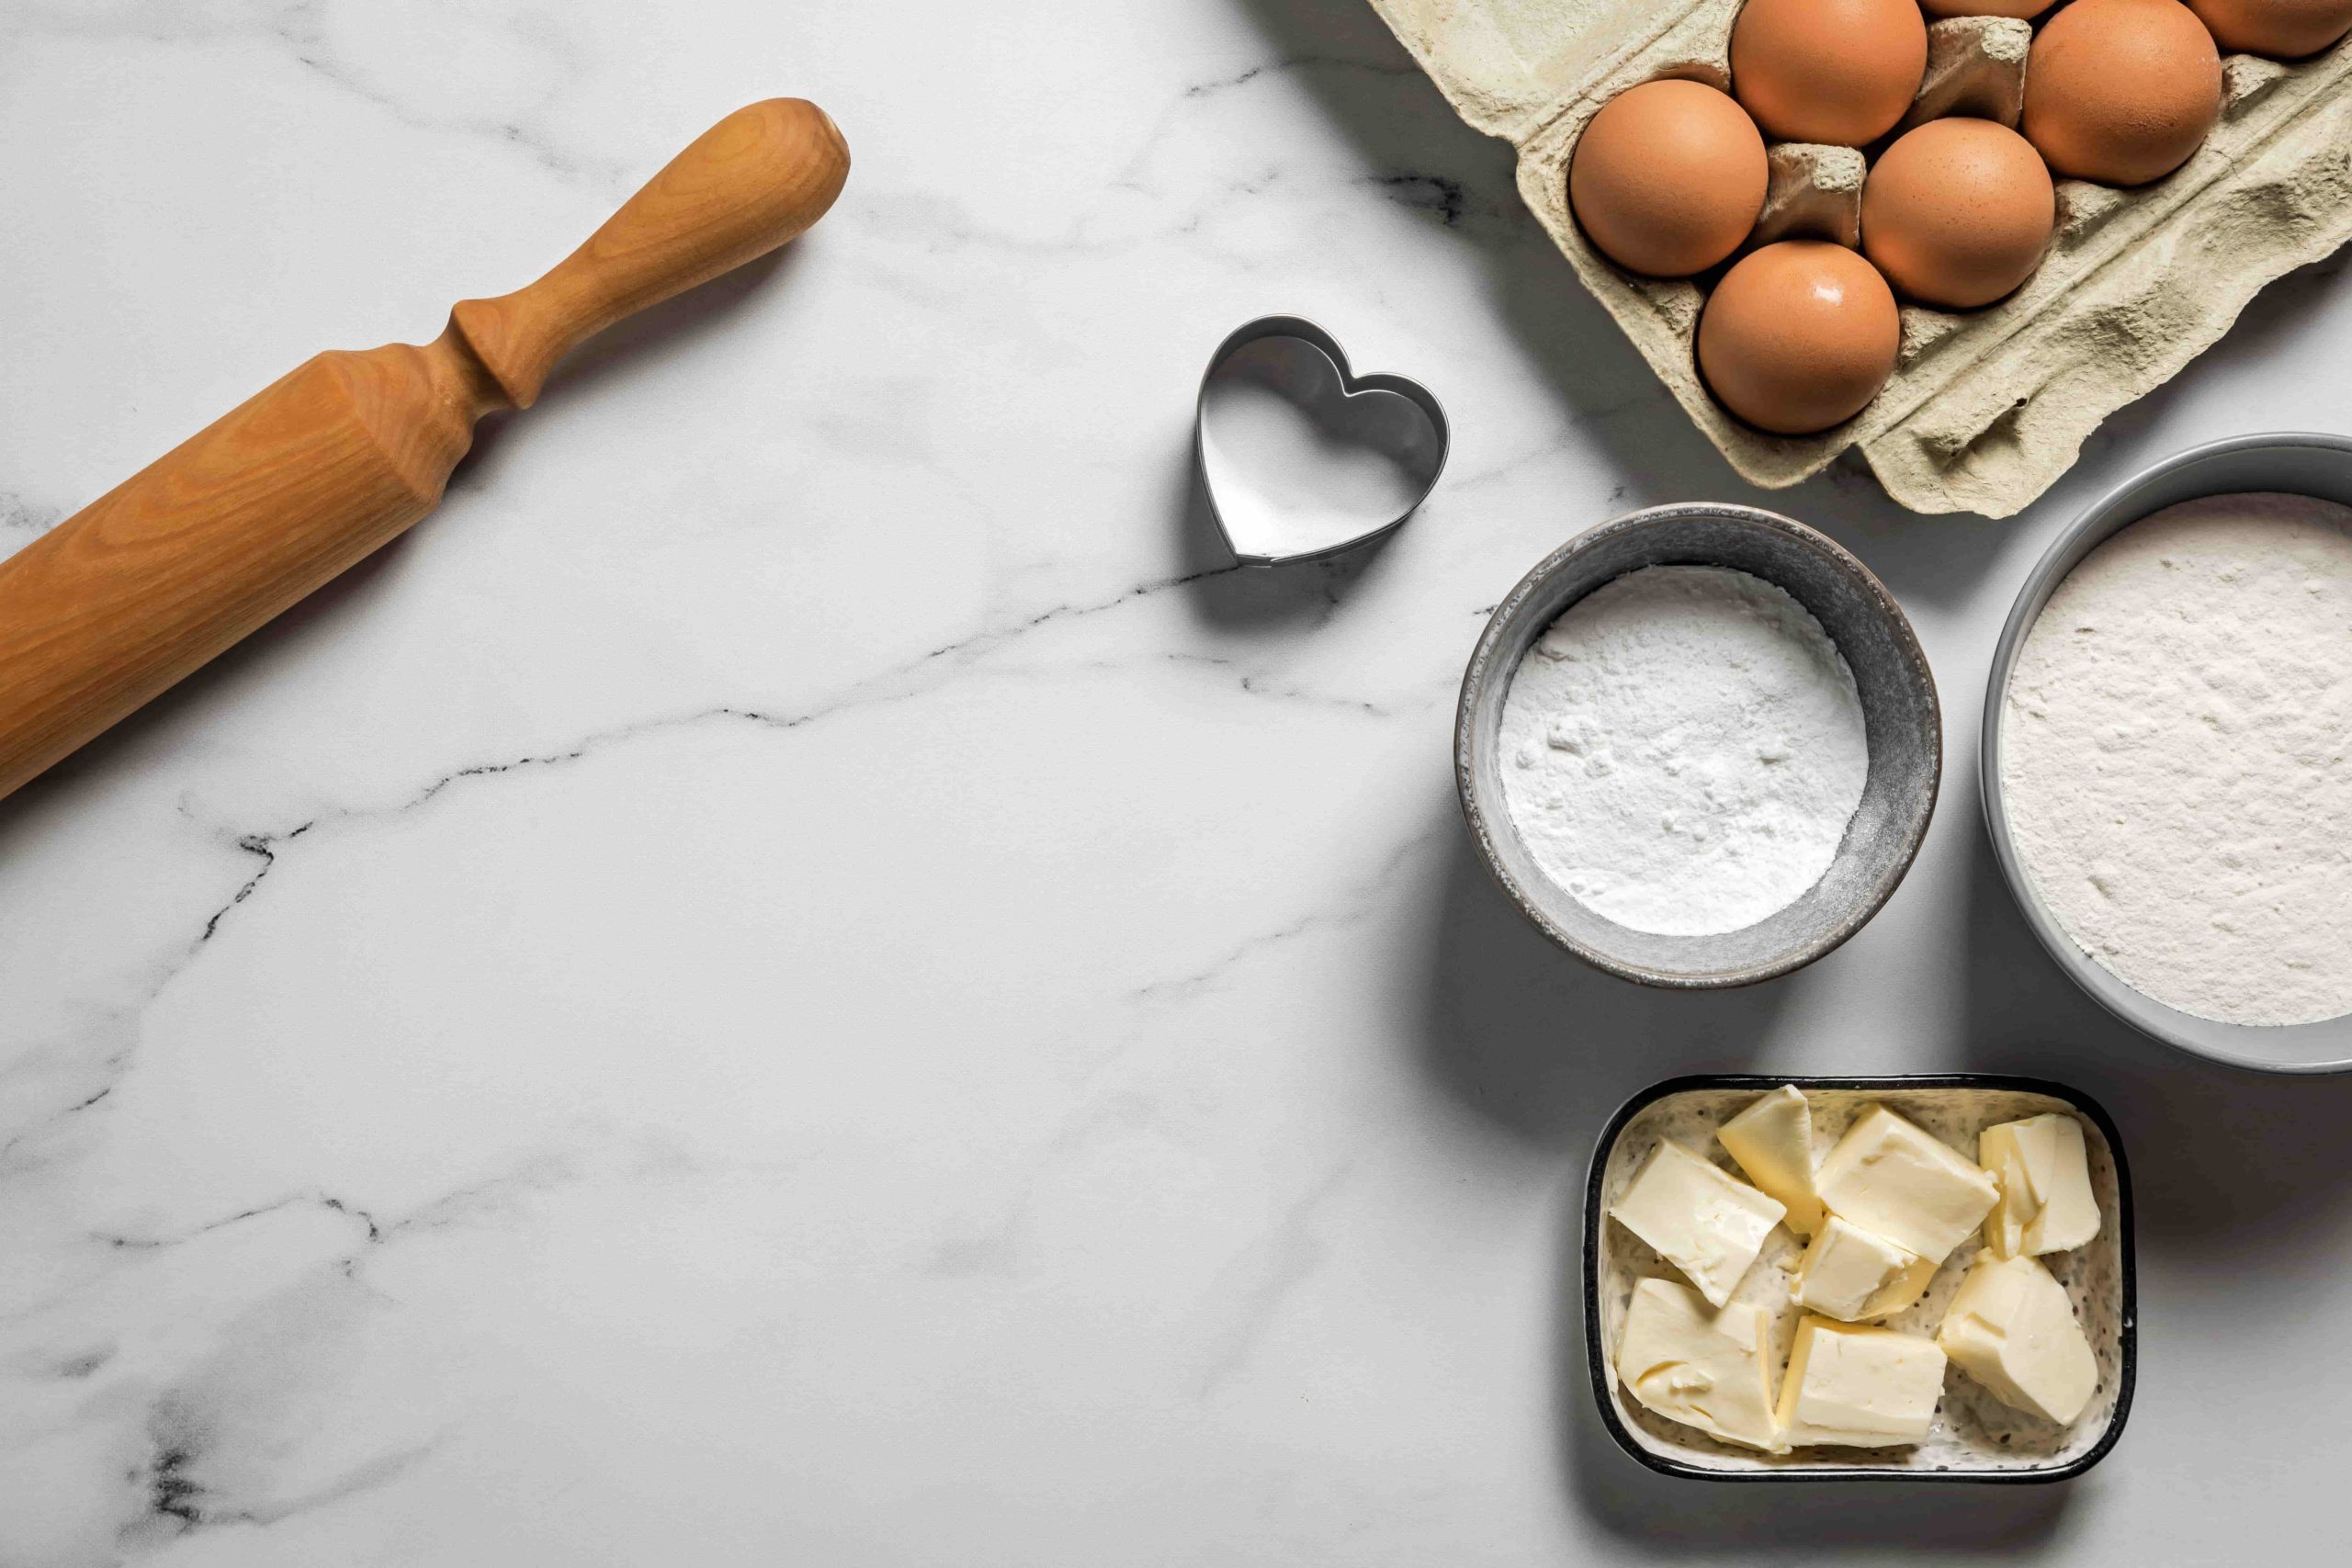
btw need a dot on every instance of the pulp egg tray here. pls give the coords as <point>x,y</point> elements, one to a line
<point>1987,407</point>
<point>1974,1437</point>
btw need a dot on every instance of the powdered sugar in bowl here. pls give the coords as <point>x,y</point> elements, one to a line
<point>1758,867</point>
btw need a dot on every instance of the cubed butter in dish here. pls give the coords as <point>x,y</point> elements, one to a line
<point>1852,1274</point>
<point>2046,1204</point>
<point>1890,1175</point>
<point>1698,1218</point>
<point>1856,1387</point>
<point>2012,1329</point>
<point>1772,1141</point>
<point>1705,1367</point>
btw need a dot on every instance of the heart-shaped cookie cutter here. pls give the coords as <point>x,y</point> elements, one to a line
<point>1350,385</point>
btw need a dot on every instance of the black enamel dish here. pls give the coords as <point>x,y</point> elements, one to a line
<point>2112,1319</point>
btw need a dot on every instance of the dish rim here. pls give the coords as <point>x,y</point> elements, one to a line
<point>2127,1339</point>
<point>2113,511</point>
<point>1483,666</point>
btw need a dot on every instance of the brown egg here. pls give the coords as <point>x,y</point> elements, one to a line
<point>1958,212</point>
<point>1836,71</point>
<point>2283,29</point>
<point>2121,91</point>
<point>1669,178</point>
<point>1799,337</point>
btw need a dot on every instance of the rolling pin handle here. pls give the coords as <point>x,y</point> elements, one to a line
<point>754,180</point>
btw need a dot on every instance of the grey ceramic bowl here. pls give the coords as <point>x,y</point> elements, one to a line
<point>2299,464</point>
<point>1899,707</point>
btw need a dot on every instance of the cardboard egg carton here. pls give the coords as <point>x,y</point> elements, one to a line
<point>1987,407</point>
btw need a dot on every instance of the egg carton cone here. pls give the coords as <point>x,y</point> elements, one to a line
<point>1987,407</point>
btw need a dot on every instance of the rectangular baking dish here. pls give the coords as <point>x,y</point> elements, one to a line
<point>1976,1439</point>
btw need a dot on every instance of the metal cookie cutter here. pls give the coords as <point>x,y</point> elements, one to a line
<point>1378,444</point>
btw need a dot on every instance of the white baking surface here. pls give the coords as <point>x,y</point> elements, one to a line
<point>776,985</point>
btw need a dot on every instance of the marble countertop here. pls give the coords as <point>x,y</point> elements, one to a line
<point>807,973</point>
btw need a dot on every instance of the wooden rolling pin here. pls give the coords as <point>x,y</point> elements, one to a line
<point>170,567</point>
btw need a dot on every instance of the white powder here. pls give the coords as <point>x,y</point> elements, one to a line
<point>2174,754</point>
<point>1683,749</point>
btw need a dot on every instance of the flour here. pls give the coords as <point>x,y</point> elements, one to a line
<point>2175,749</point>
<point>1683,749</point>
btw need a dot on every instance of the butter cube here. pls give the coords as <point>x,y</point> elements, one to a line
<point>1856,1387</point>
<point>1698,1218</point>
<point>1850,1274</point>
<point>1694,1364</point>
<point>2046,1203</point>
<point>1772,1141</point>
<point>2012,1329</point>
<point>1887,1176</point>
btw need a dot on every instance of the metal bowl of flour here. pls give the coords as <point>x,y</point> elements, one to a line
<point>1904,723</point>
<point>2298,464</point>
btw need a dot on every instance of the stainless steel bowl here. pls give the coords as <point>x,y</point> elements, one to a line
<point>1899,707</point>
<point>2298,464</point>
